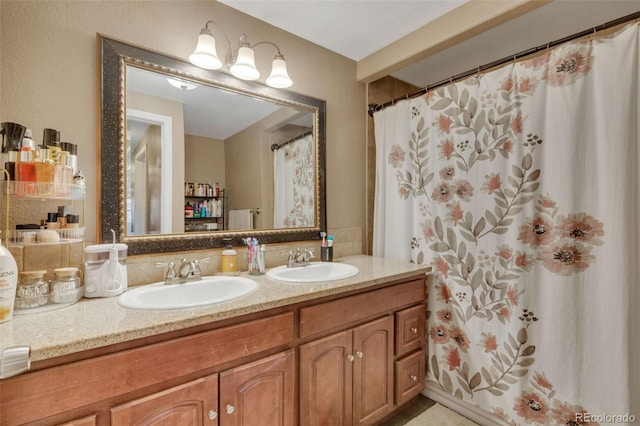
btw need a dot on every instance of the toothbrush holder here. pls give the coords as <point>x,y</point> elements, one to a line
<point>326,254</point>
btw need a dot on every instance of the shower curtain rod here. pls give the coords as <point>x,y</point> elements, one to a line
<point>377,107</point>
<point>277,146</point>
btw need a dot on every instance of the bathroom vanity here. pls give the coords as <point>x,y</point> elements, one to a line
<point>344,352</point>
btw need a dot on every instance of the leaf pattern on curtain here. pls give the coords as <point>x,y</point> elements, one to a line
<point>295,184</point>
<point>486,129</point>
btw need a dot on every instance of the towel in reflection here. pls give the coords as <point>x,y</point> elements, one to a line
<point>240,219</point>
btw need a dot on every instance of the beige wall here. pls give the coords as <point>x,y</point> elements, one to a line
<point>249,162</point>
<point>49,68</point>
<point>210,171</point>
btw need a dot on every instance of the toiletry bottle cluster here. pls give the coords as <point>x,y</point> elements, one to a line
<point>202,209</point>
<point>48,169</point>
<point>201,190</point>
<point>61,224</point>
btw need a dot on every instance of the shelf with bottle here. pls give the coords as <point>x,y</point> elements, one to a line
<point>205,208</point>
<point>202,190</point>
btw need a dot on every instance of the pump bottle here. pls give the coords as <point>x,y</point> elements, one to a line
<point>229,264</point>
<point>8,283</point>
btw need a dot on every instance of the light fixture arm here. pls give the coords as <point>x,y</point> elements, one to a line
<point>279,54</point>
<point>206,30</point>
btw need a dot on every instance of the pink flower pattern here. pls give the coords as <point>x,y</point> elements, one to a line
<point>487,286</point>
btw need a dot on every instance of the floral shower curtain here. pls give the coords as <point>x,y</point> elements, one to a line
<point>520,187</point>
<point>293,171</point>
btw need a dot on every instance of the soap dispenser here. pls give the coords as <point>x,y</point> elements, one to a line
<point>229,264</point>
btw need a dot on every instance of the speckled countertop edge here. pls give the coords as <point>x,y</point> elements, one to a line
<point>93,323</point>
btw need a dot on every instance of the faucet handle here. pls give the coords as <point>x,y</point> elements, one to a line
<point>171,269</point>
<point>289,253</point>
<point>196,266</point>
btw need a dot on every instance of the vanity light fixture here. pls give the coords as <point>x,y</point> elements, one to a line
<point>181,84</point>
<point>241,64</point>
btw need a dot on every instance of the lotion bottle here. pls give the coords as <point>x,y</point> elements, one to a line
<point>229,264</point>
<point>8,283</point>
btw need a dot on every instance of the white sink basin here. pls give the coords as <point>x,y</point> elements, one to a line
<point>313,273</point>
<point>208,291</point>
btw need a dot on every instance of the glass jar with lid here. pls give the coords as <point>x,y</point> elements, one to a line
<point>66,286</point>
<point>32,291</point>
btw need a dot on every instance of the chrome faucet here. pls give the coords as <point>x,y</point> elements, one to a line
<point>298,257</point>
<point>189,270</point>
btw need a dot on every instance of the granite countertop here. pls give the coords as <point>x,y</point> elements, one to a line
<point>93,323</point>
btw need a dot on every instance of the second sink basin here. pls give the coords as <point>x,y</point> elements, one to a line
<point>314,272</point>
<point>208,291</point>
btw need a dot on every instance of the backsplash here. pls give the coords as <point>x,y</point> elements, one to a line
<point>48,257</point>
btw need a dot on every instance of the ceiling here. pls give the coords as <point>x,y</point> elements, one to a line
<point>358,28</point>
<point>352,28</point>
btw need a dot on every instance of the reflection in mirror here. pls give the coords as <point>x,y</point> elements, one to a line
<point>204,156</point>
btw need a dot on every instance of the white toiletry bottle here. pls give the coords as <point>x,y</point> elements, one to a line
<point>8,283</point>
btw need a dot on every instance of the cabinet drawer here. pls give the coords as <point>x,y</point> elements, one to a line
<point>409,373</point>
<point>410,329</point>
<point>342,312</point>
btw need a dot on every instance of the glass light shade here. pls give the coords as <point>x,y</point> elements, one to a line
<point>205,55</point>
<point>279,77</point>
<point>181,84</point>
<point>245,66</point>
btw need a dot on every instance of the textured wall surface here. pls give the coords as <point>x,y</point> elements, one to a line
<point>49,69</point>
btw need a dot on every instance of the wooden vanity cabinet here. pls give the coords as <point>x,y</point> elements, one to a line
<point>347,378</point>
<point>176,381</point>
<point>258,393</point>
<point>354,376</point>
<point>339,360</point>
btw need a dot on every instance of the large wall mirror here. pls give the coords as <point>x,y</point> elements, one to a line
<point>191,157</point>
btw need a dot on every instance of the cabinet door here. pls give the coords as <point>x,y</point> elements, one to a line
<point>326,367</point>
<point>373,371</point>
<point>259,393</point>
<point>194,403</point>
